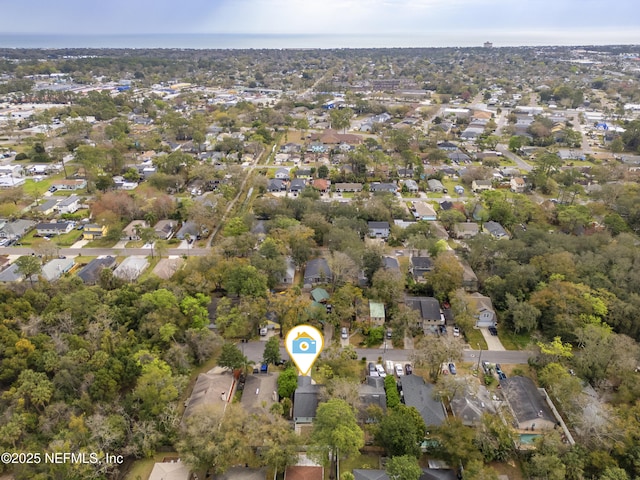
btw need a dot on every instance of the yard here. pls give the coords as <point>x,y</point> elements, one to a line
<point>64,240</point>
<point>514,341</point>
<point>364,460</point>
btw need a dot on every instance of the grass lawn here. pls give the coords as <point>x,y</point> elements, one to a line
<point>65,240</point>
<point>103,242</point>
<point>514,341</point>
<point>32,188</point>
<point>361,461</point>
<point>474,337</point>
<point>83,259</point>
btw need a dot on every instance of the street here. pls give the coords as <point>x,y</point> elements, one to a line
<point>253,351</point>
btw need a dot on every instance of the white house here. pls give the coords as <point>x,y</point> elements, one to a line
<point>69,205</point>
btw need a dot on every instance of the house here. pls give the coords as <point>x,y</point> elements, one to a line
<point>72,184</point>
<point>390,263</point>
<point>131,268</point>
<point>481,185</point>
<point>411,186</point>
<point>15,230</point>
<point>55,268</point>
<point>321,184</point>
<point>469,277</point>
<point>174,470</point>
<point>70,204</point>
<point>348,187</point>
<point>367,474</point>
<point>305,401</point>
<point>529,405</point>
<point>11,274</point>
<point>448,146</point>
<point>304,472</point>
<point>466,230</point>
<point>122,184</point>
<point>317,271</point>
<point>303,173</point>
<point>459,189</point>
<point>378,187</point>
<point>482,309</point>
<point>470,404</point>
<point>424,211</point>
<point>164,229</point>
<point>495,230</point>
<point>276,185</point>
<point>282,174</point>
<point>93,231</point>
<point>419,394</point>
<point>289,274</point>
<point>243,473</point>
<point>90,273</point>
<point>190,229</point>
<point>59,228</point>
<point>371,392</point>
<point>458,157</point>
<point>379,229</point>
<point>518,185</point>
<point>435,185</point>
<point>418,266</point>
<point>431,315</point>
<point>48,207</point>
<point>130,232</point>
<point>11,170</point>
<point>376,313</point>
<point>297,185</point>
<point>320,295</point>
<point>7,181</point>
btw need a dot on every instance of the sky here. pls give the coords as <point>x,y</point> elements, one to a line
<point>505,22</point>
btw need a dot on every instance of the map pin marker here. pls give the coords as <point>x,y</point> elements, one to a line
<point>304,344</point>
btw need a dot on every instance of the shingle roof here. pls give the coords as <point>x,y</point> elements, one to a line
<point>419,394</point>
<point>428,307</point>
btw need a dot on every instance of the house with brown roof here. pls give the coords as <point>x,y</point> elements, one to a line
<point>331,137</point>
<point>130,232</point>
<point>321,184</point>
<point>304,472</point>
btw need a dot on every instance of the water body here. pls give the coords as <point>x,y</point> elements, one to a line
<point>258,41</point>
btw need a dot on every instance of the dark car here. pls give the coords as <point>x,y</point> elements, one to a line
<point>452,368</point>
<point>408,369</point>
<point>493,331</point>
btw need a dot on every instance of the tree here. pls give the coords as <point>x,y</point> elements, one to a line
<point>287,382</point>
<point>29,266</point>
<point>523,315</point>
<point>276,441</point>
<point>405,467</point>
<point>271,351</point>
<point>195,309</point>
<point>432,351</point>
<point>245,280</point>
<point>456,443</point>
<point>231,357</point>
<point>401,430</point>
<point>495,439</point>
<point>341,118</point>
<point>446,276</point>
<point>335,433</point>
<point>211,439</point>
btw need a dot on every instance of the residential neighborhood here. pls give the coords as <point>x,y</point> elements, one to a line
<point>460,226</point>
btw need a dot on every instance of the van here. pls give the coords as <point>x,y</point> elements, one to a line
<point>263,332</point>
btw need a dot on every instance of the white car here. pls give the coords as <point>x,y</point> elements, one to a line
<point>381,371</point>
<point>345,333</point>
<point>456,332</point>
<point>399,370</point>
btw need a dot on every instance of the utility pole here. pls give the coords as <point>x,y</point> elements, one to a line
<point>479,356</point>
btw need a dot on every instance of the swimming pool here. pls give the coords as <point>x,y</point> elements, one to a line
<point>528,438</point>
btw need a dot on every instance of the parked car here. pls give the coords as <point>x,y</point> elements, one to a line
<point>399,371</point>
<point>372,367</point>
<point>452,368</point>
<point>389,332</point>
<point>493,331</point>
<point>345,333</point>
<point>53,189</point>
<point>456,332</point>
<point>380,370</point>
<point>408,369</point>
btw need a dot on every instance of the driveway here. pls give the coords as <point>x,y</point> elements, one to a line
<point>493,343</point>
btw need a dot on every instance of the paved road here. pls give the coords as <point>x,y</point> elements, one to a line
<point>254,350</point>
<point>94,252</point>
<point>511,156</point>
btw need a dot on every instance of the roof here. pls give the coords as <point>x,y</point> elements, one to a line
<point>438,474</point>
<point>317,267</point>
<point>11,274</point>
<point>525,400</point>
<point>390,263</point>
<point>423,263</point>
<point>428,307</point>
<point>380,225</point>
<point>305,398</point>
<point>372,393</point>
<point>466,227</point>
<point>90,273</point>
<point>469,405</point>
<point>242,473</point>
<point>170,471</point>
<point>362,474</point>
<point>304,473</point>
<point>376,309</point>
<point>495,229</point>
<point>56,267</point>
<point>69,201</point>
<point>319,294</point>
<point>480,302</point>
<point>53,226</point>
<point>47,205</point>
<point>419,394</point>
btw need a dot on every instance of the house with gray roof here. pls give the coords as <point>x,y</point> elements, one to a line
<point>418,266</point>
<point>188,228</point>
<point>282,174</point>
<point>297,185</point>
<point>243,473</point>
<point>11,274</point>
<point>420,394</point>
<point>412,186</point>
<point>58,228</point>
<point>435,185</point>
<point>317,271</point>
<point>466,230</point>
<point>131,268</point>
<point>431,315</point>
<point>305,401</point>
<point>164,229</point>
<point>378,187</point>
<point>16,230</point>
<point>528,404</point>
<point>390,263</point>
<point>57,267</point>
<point>48,207</point>
<point>372,392</point>
<point>70,204</point>
<point>379,229</point>
<point>470,404</point>
<point>90,273</point>
<point>348,187</point>
<point>276,185</point>
<point>495,230</point>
